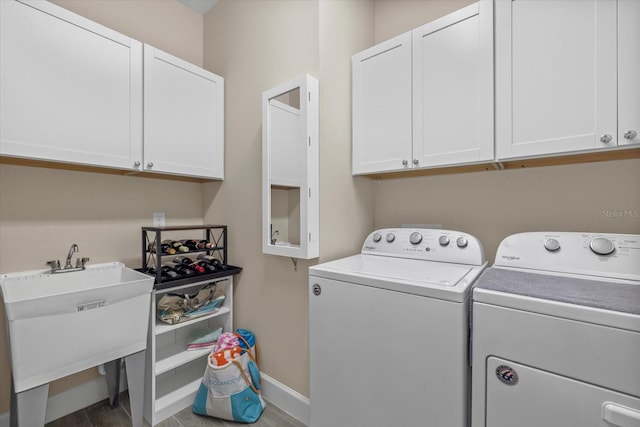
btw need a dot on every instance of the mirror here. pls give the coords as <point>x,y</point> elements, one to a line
<point>290,206</point>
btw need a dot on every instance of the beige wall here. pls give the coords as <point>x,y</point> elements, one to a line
<point>394,17</point>
<point>492,205</point>
<point>256,45</point>
<point>43,211</point>
<point>165,24</point>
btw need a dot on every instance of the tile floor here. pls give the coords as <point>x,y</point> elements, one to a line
<point>101,415</point>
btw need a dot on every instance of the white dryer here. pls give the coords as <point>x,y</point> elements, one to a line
<point>389,331</point>
<point>556,332</point>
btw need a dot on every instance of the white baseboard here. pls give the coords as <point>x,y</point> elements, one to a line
<point>74,399</point>
<point>285,398</point>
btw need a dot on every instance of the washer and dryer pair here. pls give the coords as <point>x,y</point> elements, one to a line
<point>390,336</point>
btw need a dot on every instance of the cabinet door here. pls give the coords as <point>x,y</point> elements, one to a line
<point>555,76</point>
<point>381,109</point>
<point>628,72</point>
<point>453,88</point>
<point>183,117</point>
<point>71,89</point>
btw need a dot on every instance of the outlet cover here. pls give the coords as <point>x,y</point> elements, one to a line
<point>158,219</point>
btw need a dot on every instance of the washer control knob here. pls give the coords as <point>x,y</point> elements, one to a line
<point>602,246</point>
<point>443,240</point>
<point>415,238</point>
<point>462,242</point>
<point>391,237</point>
<point>552,245</point>
<point>377,237</point>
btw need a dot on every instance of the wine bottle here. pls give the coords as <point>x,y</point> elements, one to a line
<point>212,260</point>
<point>205,244</point>
<point>190,243</point>
<point>179,247</point>
<point>182,259</point>
<point>165,272</point>
<point>167,247</point>
<point>181,269</point>
<point>208,267</point>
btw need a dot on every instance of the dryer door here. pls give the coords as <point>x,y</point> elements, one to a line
<point>521,396</point>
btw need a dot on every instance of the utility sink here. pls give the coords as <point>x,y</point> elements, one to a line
<point>60,324</point>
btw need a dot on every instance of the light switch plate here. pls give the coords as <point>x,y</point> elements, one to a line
<point>158,219</point>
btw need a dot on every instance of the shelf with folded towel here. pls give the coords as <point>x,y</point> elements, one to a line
<point>173,372</point>
<point>162,328</point>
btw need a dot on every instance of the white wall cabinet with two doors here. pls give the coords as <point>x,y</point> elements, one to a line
<point>73,91</point>
<point>567,76</point>
<point>425,98</point>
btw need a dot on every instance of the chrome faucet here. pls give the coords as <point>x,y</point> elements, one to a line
<point>72,250</point>
<point>80,262</point>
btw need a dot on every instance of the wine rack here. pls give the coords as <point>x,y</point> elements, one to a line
<point>152,254</point>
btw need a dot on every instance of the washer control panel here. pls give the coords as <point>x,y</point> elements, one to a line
<point>425,244</point>
<point>597,254</point>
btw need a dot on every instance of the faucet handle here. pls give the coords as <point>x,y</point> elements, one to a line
<point>80,262</point>
<point>54,264</point>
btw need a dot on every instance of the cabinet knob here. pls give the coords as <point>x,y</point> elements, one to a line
<point>605,139</point>
<point>405,163</point>
<point>136,163</point>
<point>150,164</point>
<point>630,134</point>
<point>415,161</point>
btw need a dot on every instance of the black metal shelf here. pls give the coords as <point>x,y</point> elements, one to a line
<point>152,237</point>
<point>202,277</point>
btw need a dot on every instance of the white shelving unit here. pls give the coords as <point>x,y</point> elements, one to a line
<point>174,373</point>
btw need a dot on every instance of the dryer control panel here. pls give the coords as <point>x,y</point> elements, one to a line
<point>425,244</point>
<point>594,254</point>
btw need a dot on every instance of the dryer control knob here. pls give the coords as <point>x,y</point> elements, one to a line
<point>415,238</point>
<point>443,240</point>
<point>377,237</point>
<point>462,242</point>
<point>602,246</point>
<point>391,237</point>
<point>552,245</point>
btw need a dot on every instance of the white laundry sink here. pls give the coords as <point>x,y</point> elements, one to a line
<point>63,323</point>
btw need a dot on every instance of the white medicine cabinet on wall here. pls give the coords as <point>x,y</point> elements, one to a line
<point>290,183</point>
<point>74,92</point>
<point>424,99</point>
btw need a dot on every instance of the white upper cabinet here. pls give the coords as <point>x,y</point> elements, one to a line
<point>183,117</point>
<point>628,72</point>
<point>556,75</point>
<point>71,90</point>
<point>453,88</point>
<point>381,107</point>
<point>425,98</point>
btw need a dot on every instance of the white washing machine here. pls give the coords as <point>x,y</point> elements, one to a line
<point>389,331</point>
<point>556,332</point>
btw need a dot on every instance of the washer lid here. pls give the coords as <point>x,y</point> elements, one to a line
<point>418,277</point>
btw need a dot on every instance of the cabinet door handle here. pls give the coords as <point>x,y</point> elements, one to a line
<point>150,164</point>
<point>136,163</point>
<point>605,139</point>
<point>405,163</point>
<point>630,134</point>
<point>415,161</point>
<point>621,416</point>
